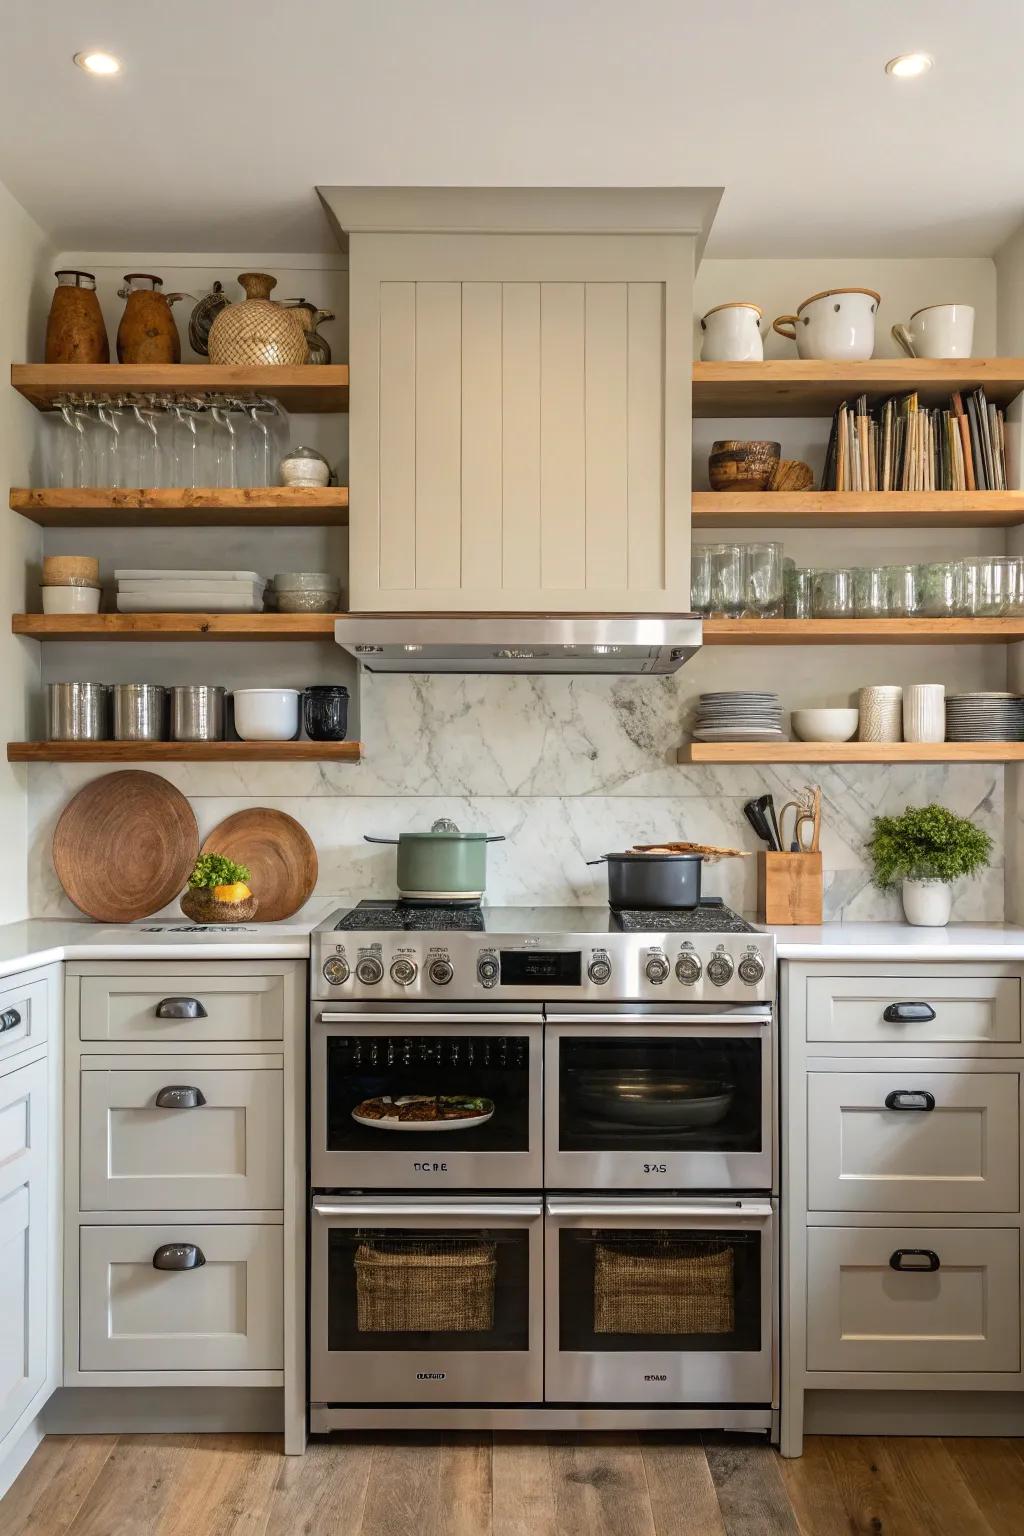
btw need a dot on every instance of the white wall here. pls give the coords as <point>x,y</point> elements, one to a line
<point>26,267</point>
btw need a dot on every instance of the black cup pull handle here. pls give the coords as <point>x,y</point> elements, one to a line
<point>180,1008</point>
<point>179,1256</point>
<point>922,1261</point>
<point>180,1096</point>
<point>910,1098</point>
<point>909,1013</point>
<point>9,1019</point>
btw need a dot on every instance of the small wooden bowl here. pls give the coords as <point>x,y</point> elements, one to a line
<point>742,466</point>
<point>199,904</point>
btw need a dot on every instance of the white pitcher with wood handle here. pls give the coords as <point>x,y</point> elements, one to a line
<point>837,325</point>
<point>938,330</point>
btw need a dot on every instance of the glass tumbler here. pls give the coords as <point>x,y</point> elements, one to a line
<point>800,593</point>
<point>941,585</point>
<point>832,595</point>
<point>700,578</point>
<point>869,592</point>
<point>998,589</point>
<point>727,579</point>
<point>762,580</point>
<point>902,589</point>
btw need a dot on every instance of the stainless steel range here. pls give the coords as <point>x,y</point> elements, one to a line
<point>543,1168</point>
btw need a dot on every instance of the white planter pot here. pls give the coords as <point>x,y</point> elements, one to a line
<point>927,903</point>
<point>732,334</point>
<point>838,325</point>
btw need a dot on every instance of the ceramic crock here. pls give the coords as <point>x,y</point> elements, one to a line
<point>147,332</point>
<point>939,330</point>
<point>732,334</point>
<point>75,332</point>
<point>837,325</point>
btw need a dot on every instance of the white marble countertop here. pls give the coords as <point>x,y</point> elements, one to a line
<point>899,941</point>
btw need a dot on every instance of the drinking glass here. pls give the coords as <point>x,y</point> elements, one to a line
<point>903,593</point>
<point>832,595</point>
<point>762,579</point>
<point>870,594</point>
<point>143,447</point>
<point>800,593</point>
<point>999,586</point>
<point>223,445</point>
<point>727,579</point>
<point>941,585</point>
<point>700,578</point>
<point>70,456</point>
<point>184,435</point>
<point>108,453</point>
<point>970,586</point>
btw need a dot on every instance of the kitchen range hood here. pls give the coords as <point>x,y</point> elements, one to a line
<point>619,644</point>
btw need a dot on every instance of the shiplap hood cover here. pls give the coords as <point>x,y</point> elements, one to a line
<point>609,321</point>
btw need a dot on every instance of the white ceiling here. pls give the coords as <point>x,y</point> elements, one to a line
<point>230,112</point>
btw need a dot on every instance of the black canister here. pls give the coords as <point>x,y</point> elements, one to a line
<point>325,712</point>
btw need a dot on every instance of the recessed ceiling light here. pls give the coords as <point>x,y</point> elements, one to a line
<point>95,62</point>
<point>906,65</point>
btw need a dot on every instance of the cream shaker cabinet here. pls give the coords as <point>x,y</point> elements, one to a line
<point>520,403</point>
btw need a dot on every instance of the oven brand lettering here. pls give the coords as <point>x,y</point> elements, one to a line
<point>431,1375</point>
<point>655,1167</point>
<point>430,1167</point>
<point>656,1377</point>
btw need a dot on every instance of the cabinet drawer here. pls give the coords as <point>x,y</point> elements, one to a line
<point>225,1153</point>
<point>961,1154</point>
<point>173,1005</point>
<point>226,1315</point>
<point>864,1315</point>
<point>23,1021</point>
<point>968,1009</point>
<point>22,1125</point>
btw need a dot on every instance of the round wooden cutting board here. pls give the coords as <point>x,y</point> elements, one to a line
<point>125,846</point>
<point>280,855</point>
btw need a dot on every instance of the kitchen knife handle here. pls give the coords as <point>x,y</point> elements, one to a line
<point>180,1008</point>
<point>910,1098</point>
<point>179,1256</point>
<point>909,1013</point>
<point>180,1096</point>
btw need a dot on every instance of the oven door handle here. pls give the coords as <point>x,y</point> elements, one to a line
<point>438,1020</point>
<point>681,1211</point>
<point>421,1208</point>
<point>659,1021</point>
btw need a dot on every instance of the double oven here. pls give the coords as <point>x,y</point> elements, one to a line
<point>600,1249</point>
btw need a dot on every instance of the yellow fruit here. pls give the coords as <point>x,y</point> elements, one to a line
<point>239,891</point>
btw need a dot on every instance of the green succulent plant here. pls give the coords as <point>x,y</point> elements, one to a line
<point>214,869</point>
<point>926,843</point>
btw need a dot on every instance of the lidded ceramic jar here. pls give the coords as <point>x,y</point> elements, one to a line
<point>75,332</point>
<point>147,333</point>
<point>257,332</point>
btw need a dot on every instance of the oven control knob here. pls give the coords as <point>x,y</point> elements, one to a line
<point>599,972</point>
<point>751,970</point>
<point>487,970</point>
<point>688,968</point>
<point>369,971</point>
<point>440,972</point>
<point>403,972</point>
<point>720,969</point>
<point>336,971</point>
<point>656,970</point>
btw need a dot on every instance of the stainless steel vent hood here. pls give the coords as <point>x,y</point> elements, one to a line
<point>619,644</point>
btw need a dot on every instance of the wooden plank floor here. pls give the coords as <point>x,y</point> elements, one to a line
<point>515,1485</point>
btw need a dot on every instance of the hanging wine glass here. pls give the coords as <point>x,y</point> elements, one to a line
<point>107,456</point>
<point>185,438</point>
<point>225,445</point>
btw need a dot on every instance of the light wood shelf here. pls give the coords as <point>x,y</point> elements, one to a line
<point>858,509</point>
<point>176,626</point>
<point>182,751</point>
<point>296,506</point>
<point>851,752</point>
<point>863,631</point>
<point>307,388</point>
<point>792,387</point>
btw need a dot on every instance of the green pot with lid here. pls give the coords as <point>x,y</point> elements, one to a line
<point>443,864</point>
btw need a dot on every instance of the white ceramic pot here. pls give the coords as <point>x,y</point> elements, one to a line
<point>924,712</point>
<point>881,713</point>
<point>838,325</point>
<point>940,330</point>
<point>732,334</point>
<point>71,599</point>
<point>267,714</point>
<point>927,903</point>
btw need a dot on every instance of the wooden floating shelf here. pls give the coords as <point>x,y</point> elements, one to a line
<point>308,388</point>
<point>296,506</point>
<point>182,751</point>
<point>176,626</point>
<point>792,387</point>
<point>863,631</point>
<point>851,752</point>
<point>858,509</point>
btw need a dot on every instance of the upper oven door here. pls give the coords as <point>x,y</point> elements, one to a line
<point>659,1102</point>
<point>494,1059</point>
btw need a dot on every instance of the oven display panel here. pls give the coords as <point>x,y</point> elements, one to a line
<point>537,968</point>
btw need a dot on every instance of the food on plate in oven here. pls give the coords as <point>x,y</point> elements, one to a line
<point>423,1106</point>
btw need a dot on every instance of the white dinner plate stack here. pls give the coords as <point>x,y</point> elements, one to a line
<point>984,717</point>
<point>738,717</point>
<point>189,591</point>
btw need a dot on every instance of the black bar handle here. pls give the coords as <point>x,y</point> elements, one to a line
<point>928,1266</point>
<point>9,1019</point>
<point>179,1256</point>
<point>180,1096</point>
<point>180,1008</point>
<point>910,1098</point>
<point>909,1013</point>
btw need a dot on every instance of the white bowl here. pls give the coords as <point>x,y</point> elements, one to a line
<point>306,581</point>
<point>825,724</point>
<point>267,714</point>
<point>71,599</point>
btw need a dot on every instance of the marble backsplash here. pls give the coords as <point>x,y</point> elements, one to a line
<point>566,769</point>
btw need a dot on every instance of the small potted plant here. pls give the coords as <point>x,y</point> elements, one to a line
<point>218,892</point>
<point>925,850</point>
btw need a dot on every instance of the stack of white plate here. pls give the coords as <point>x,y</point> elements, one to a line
<point>984,717</point>
<point>189,591</point>
<point>739,717</point>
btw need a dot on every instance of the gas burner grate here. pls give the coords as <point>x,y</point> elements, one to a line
<point>400,916</point>
<point>706,918</point>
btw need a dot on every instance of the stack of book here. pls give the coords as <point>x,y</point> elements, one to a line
<point>900,445</point>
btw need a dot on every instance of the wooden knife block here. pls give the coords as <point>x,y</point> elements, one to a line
<point>789,887</point>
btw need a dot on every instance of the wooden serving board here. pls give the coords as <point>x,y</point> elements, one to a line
<point>125,846</point>
<point>280,854</point>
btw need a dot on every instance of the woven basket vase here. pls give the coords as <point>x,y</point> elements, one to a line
<point>257,333</point>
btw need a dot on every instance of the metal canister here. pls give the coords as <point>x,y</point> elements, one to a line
<point>78,712</point>
<point>197,712</point>
<point>140,712</point>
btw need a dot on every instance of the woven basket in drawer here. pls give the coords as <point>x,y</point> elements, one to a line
<point>425,1287</point>
<point>648,1289</point>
